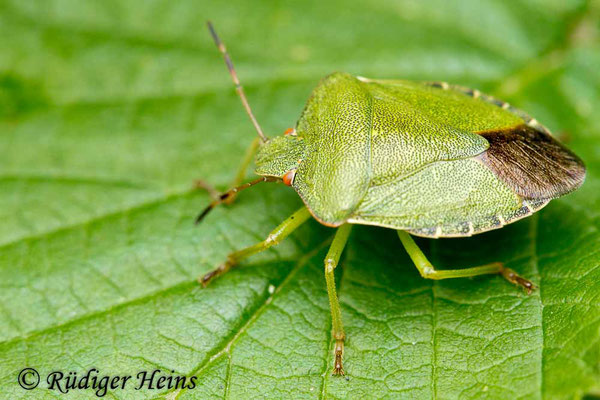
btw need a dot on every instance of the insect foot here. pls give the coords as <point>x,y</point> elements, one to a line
<point>338,369</point>
<point>514,278</point>
<point>205,279</point>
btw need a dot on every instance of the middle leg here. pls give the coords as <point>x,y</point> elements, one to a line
<point>331,261</point>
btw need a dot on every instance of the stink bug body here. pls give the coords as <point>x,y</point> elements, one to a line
<point>424,158</point>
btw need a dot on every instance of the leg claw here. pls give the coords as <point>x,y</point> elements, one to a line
<point>205,279</point>
<point>338,369</point>
<point>339,351</point>
<point>514,278</point>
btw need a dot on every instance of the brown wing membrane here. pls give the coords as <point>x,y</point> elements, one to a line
<point>532,163</point>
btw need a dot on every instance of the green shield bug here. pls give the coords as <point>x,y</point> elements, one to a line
<point>424,158</point>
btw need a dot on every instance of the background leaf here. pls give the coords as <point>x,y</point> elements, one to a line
<point>110,109</point>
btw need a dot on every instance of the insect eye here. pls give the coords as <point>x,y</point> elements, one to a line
<point>288,178</point>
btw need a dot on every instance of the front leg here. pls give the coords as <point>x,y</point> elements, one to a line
<point>239,176</point>
<point>243,168</point>
<point>277,235</point>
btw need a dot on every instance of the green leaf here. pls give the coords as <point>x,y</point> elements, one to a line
<point>109,110</point>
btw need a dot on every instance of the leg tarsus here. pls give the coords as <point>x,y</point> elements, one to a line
<point>338,369</point>
<point>205,279</point>
<point>514,278</point>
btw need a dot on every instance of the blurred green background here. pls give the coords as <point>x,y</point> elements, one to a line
<point>110,109</point>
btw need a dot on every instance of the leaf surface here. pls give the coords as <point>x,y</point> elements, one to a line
<point>109,111</point>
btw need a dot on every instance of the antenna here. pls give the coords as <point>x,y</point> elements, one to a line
<point>238,86</point>
<point>231,192</point>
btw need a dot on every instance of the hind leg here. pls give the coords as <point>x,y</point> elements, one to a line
<point>427,270</point>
